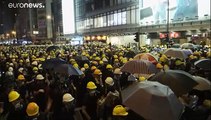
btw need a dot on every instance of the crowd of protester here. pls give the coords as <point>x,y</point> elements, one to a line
<point>28,91</point>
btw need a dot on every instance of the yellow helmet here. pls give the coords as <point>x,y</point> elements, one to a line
<point>196,53</point>
<point>71,60</point>
<point>166,67</point>
<point>94,62</point>
<point>116,60</point>
<point>21,77</point>
<point>91,85</point>
<point>20,61</point>
<point>142,78</point>
<point>83,69</point>
<point>202,58</point>
<point>130,59</point>
<point>109,66</point>
<point>32,109</point>
<point>124,61</point>
<point>119,110</point>
<point>35,63</point>
<point>159,66</point>
<point>120,54</point>
<point>207,103</point>
<point>87,55</point>
<point>178,62</point>
<point>13,95</point>
<point>86,66</point>
<point>101,62</point>
<point>191,57</point>
<point>163,59</point>
<point>115,56</point>
<point>103,55</point>
<point>83,53</point>
<point>97,72</point>
<point>35,69</point>
<point>120,58</point>
<point>97,58</point>
<point>42,59</point>
<point>75,65</point>
<point>93,68</point>
<point>94,55</point>
<point>208,54</point>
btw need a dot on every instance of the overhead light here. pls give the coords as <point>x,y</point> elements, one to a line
<point>98,37</point>
<point>93,37</point>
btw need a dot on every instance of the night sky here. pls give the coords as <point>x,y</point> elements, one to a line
<point>7,16</point>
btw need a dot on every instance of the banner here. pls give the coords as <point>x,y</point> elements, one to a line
<point>155,11</point>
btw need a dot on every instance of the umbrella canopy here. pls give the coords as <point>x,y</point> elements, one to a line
<point>67,69</point>
<point>153,101</point>
<point>188,51</point>
<point>139,66</point>
<point>52,48</point>
<point>179,81</point>
<point>203,64</point>
<point>130,54</point>
<point>177,53</point>
<point>146,56</point>
<point>81,58</point>
<point>203,83</point>
<point>187,46</point>
<point>175,46</point>
<point>51,63</point>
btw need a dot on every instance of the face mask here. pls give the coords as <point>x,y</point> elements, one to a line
<point>18,106</point>
<point>68,105</point>
<point>92,92</point>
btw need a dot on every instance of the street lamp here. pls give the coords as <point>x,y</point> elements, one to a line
<point>48,17</point>
<point>50,27</point>
<point>14,33</point>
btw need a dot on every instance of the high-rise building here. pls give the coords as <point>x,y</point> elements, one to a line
<point>57,17</point>
<point>35,23</point>
<point>7,17</point>
<point>64,20</point>
<point>116,21</point>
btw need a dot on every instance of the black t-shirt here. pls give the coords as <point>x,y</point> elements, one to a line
<point>90,102</point>
<point>42,116</point>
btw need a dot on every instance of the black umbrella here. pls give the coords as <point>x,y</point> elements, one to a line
<point>203,64</point>
<point>130,54</point>
<point>52,48</point>
<point>179,81</point>
<point>81,58</point>
<point>67,69</point>
<point>51,63</point>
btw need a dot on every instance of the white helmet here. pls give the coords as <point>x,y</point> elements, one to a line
<point>109,81</point>
<point>67,97</point>
<point>39,77</point>
<point>117,71</point>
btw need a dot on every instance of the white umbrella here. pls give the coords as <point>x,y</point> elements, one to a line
<point>187,46</point>
<point>177,53</point>
<point>203,83</point>
<point>153,101</point>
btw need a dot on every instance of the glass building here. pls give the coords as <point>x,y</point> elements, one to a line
<point>118,20</point>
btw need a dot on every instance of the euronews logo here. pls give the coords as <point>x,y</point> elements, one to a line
<point>26,5</point>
